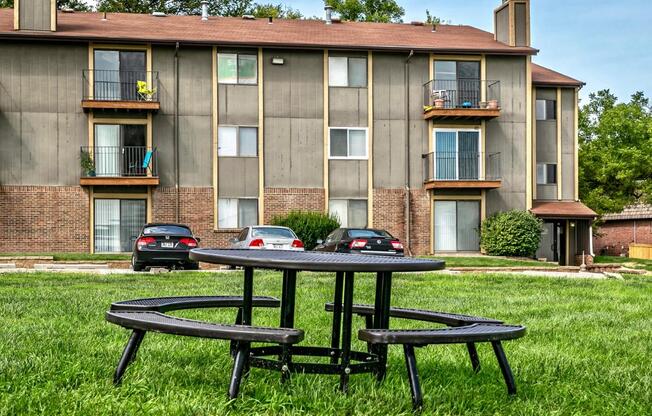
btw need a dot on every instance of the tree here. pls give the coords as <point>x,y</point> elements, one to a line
<point>368,10</point>
<point>277,11</point>
<point>432,20</point>
<point>615,152</point>
<point>76,5</point>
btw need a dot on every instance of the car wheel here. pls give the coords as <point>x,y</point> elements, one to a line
<point>191,266</point>
<point>136,265</point>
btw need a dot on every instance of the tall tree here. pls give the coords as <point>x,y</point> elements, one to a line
<point>277,11</point>
<point>76,5</point>
<point>368,10</point>
<point>615,151</point>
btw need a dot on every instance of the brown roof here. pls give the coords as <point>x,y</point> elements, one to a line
<point>125,27</point>
<point>545,76</point>
<point>562,209</point>
<point>632,212</point>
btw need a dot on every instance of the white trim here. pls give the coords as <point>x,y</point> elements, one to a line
<point>366,146</point>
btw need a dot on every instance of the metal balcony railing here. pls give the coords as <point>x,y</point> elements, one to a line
<point>461,166</point>
<point>461,93</point>
<point>109,85</point>
<point>118,161</point>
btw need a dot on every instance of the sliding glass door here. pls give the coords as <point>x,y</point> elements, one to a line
<point>120,149</point>
<point>116,74</point>
<point>457,225</point>
<point>458,83</point>
<point>457,154</point>
<point>117,223</point>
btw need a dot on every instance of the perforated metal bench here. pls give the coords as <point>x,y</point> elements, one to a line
<point>411,338</point>
<point>444,318</point>
<point>141,322</point>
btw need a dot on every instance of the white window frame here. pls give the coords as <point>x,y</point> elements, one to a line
<point>348,200</point>
<point>544,165</point>
<point>237,68</point>
<point>237,140</point>
<point>348,129</point>
<point>237,209</point>
<point>481,172</point>
<point>348,78</point>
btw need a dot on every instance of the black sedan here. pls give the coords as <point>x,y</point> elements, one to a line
<point>361,241</point>
<point>164,245</point>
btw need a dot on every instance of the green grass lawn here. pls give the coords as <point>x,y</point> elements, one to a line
<point>636,263</point>
<point>486,261</point>
<point>587,351</point>
<point>75,256</point>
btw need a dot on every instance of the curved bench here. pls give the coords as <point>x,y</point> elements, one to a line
<point>174,303</point>
<point>142,321</point>
<point>444,318</point>
<point>410,338</point>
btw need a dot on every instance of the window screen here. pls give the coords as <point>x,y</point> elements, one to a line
<point>339,145</point>
<point>227,68</point>
<point>248,141</point>
<point>347,72</point>
<point>247,69</point>
<point>546,173</point>
<point>357,72</point>
<point>247,212</point>
<point>348,143</point>
<point>546,109</point>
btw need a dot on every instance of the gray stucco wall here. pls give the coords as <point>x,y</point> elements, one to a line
<point>294,119</point>
<point>42,125</point>
<point>238,177</point>
<point>568,144</point>
<point>502,25</point>
<point>35,14</point>
<point>520,24</point>
<point>507,133</point>
<point>348,178</point>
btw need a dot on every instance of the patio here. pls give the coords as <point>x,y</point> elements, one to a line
<point>585,352</point>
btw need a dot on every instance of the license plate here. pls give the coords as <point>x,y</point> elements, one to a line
<point>278,245</point>
<point>166,244</point>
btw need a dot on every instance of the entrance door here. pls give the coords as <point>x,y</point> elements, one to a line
<point>118,223</point>
<point>457,225</point>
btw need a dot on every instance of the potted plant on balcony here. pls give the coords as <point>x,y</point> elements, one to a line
<point>144,92</point>
<point>87,163</point>
<point>439,103</point>
<point>492,104</point>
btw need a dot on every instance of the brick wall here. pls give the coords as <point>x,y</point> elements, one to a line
<point>280,201</point>
<point>195,210</point>
<point>44,219</point>
<point>420,226</point>
<point>616,236</point>
<point>389,211</point>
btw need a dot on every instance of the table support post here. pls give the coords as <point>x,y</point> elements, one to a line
<point>337,315</point>
<point>248,294</point>
<point>381,319</point>
<point>288,301</point>
<point>346,330</point>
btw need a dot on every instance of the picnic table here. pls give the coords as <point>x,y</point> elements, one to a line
<point>343,360</point>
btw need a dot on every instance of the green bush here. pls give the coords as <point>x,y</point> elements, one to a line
<point>511,233</point>
<point>310,226</point>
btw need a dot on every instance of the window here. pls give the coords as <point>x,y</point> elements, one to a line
<point>457,154</point>
<point>237,213</point>
<point>237,141</point>
<point>235,68</point>
<point>457,83</point>
<point>120,149</point>
<point>348,143</point>
<point>118,223</point>
<point>457,225</point>
<point>347,72</point>
<point>116,73</point>
<point>350,212</point>
<point>546,173</point>
<point>546,109</point>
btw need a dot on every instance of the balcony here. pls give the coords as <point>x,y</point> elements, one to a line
<point>462,170</point>
<point>462,99</point>
<point>118,165</point>
<point>120,90</point>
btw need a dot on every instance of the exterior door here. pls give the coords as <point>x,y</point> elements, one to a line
<point>118,223</point>
<point>457,225</point>
<point>106,152</point>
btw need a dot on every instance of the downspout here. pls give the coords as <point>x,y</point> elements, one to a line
<point>407,154</point>
<point>176,131</point>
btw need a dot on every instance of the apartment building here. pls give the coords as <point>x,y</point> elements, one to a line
<point>108,121</point>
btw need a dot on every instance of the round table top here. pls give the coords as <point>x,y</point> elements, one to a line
<point>313,260</point>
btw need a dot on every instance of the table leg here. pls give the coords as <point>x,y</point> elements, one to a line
<point>337,315</point>
<point>288,301</point>
<point>381,318</point>
<point>248,294</point>
<point>346,330</point>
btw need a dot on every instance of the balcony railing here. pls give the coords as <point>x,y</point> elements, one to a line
<point>103,88</point>
<point>462,95</point>
<point>118,161</point>
<point>461,166</point>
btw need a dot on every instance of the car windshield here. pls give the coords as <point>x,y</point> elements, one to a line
<point>369,234</point>
<point>272,232</point>
<point>167,230</point>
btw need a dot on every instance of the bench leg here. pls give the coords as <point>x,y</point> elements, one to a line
<point>336,330</point>
<point>504,367</point>
<point>473,354</point>
<point>239,364</point>
<point>128,355</point>
<point>413,375</point>
<point>346,330</point>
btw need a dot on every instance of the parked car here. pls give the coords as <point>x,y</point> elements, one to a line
<point>267,237</point>
<point>361,241</point>
<point>164,245</point>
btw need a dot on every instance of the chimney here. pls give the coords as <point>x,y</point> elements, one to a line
<point>329,11</point>
<point>204,10</point>
<point>40,15</point>
<point>512,22</point>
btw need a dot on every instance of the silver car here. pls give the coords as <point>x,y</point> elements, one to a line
<point>267,237</point>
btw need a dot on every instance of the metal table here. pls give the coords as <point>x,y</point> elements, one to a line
<point>343,360</point>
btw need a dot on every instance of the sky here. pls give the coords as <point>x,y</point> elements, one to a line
<point>605,43</point>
